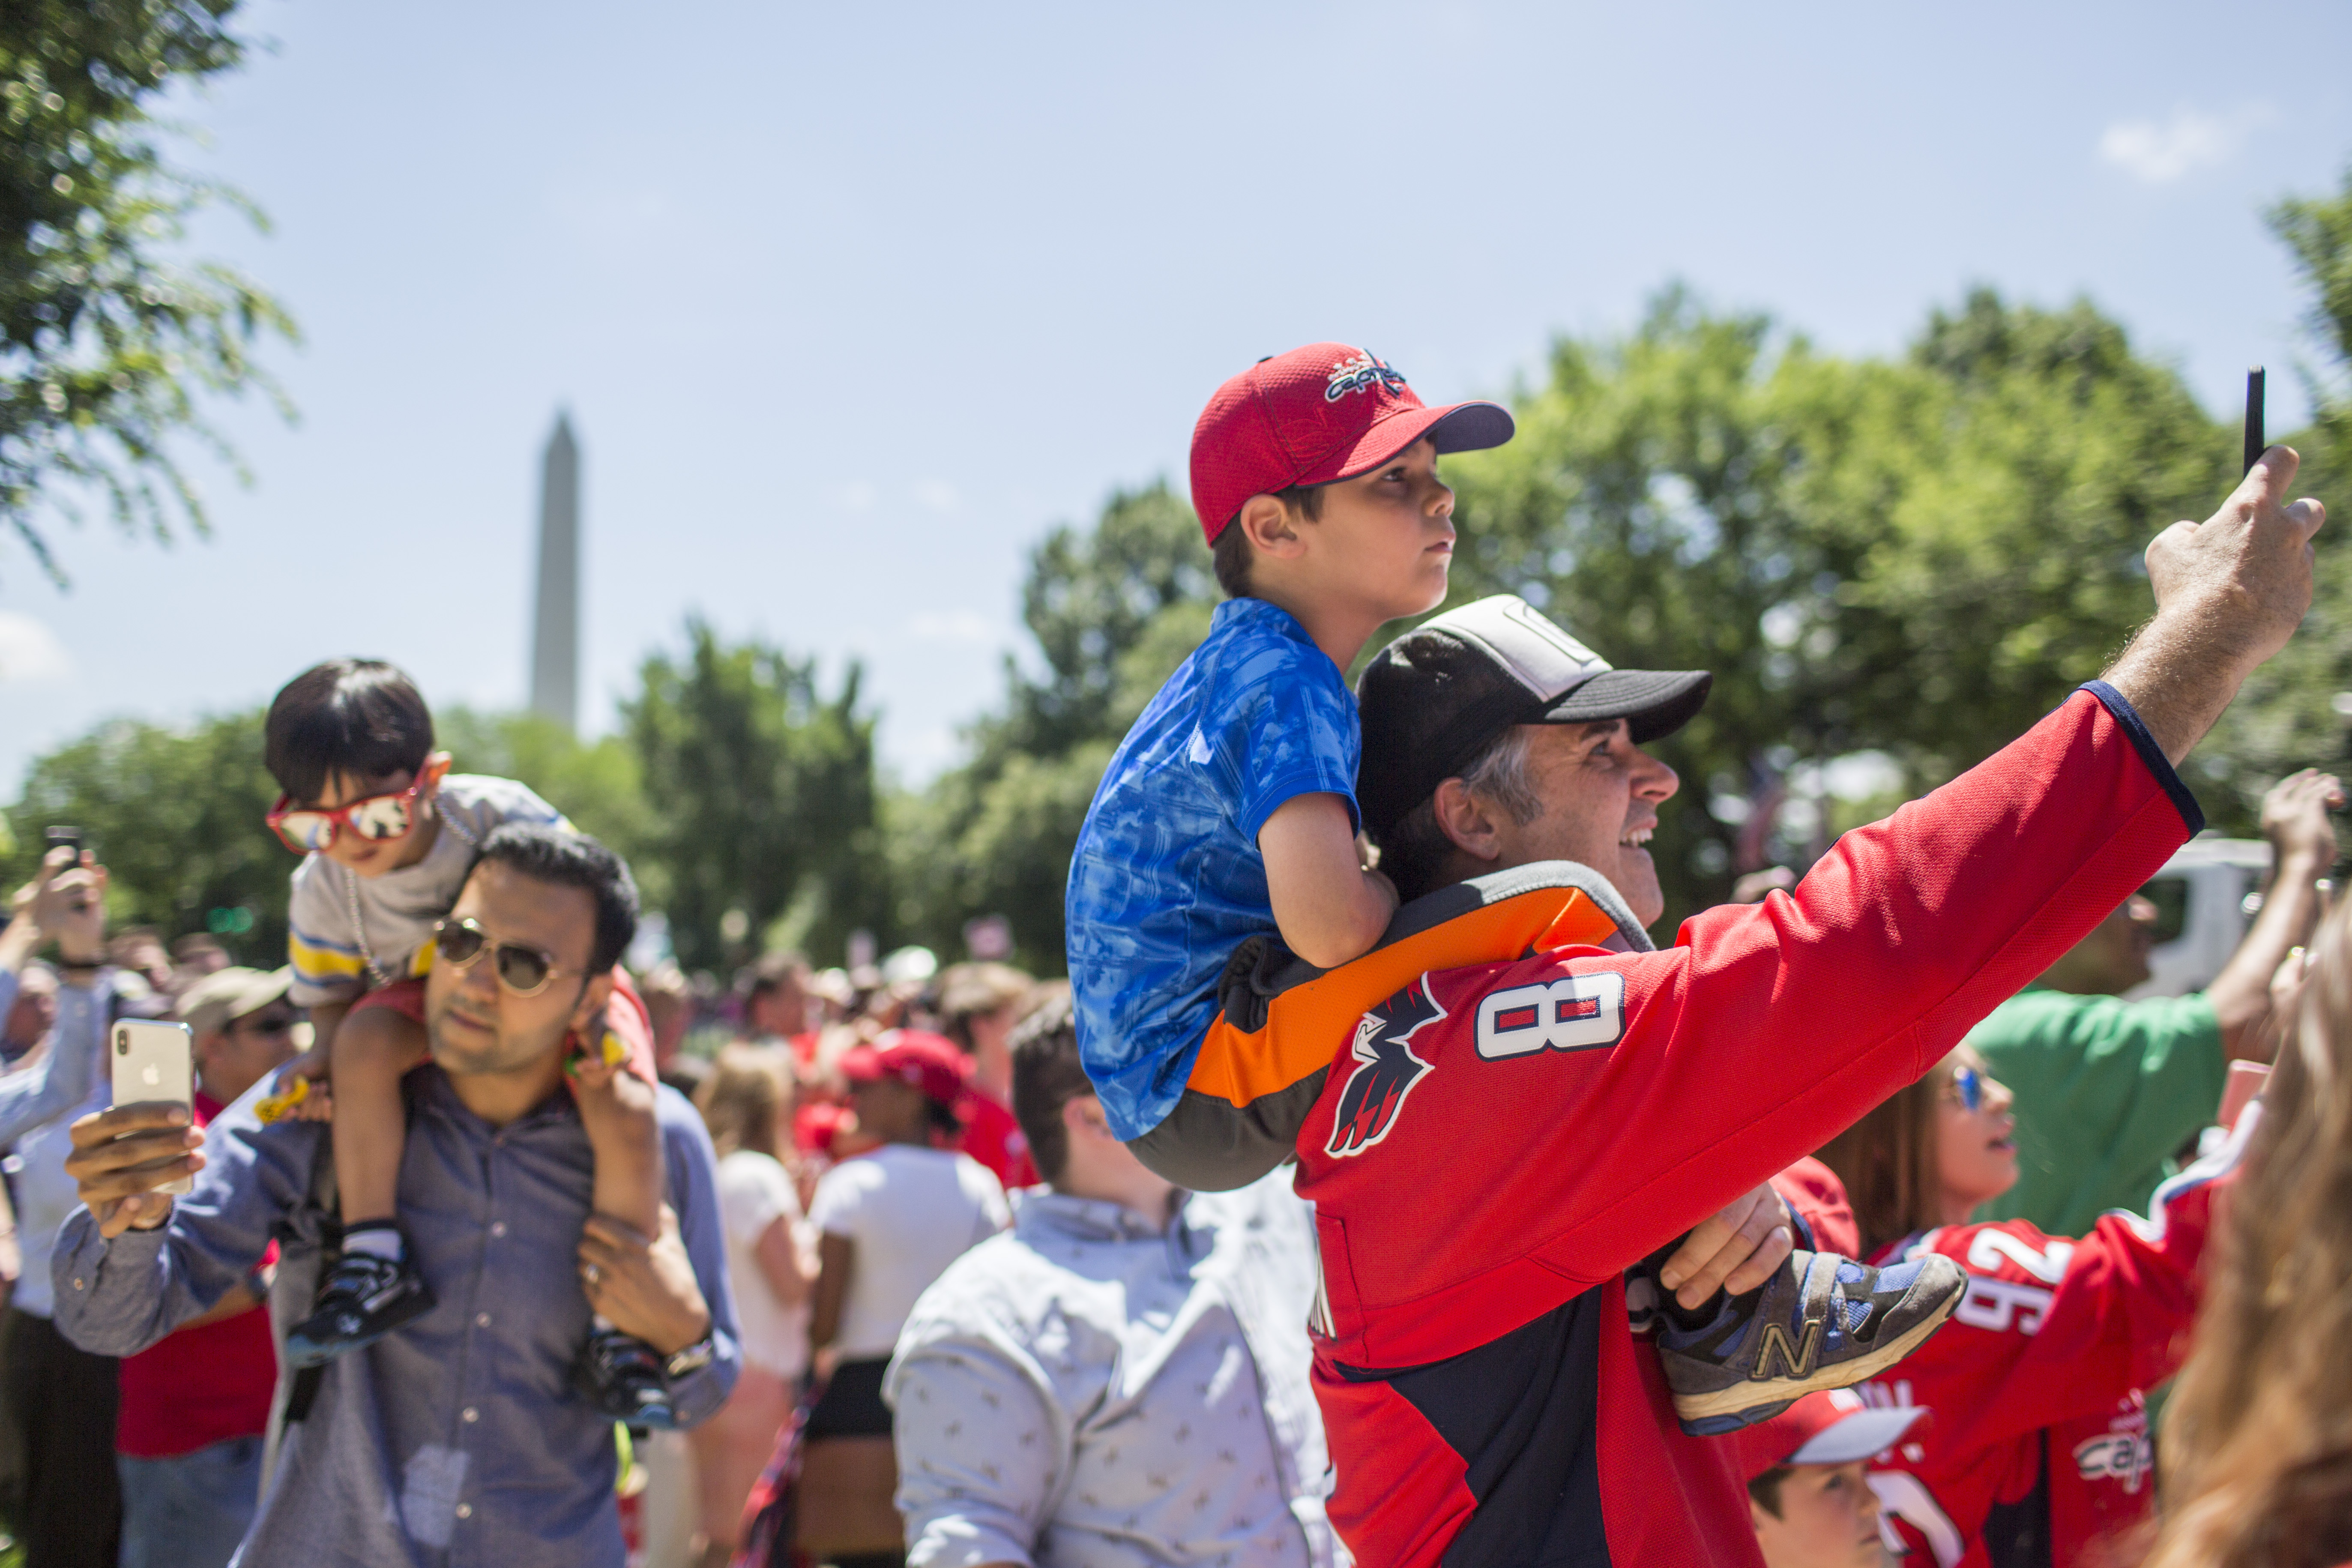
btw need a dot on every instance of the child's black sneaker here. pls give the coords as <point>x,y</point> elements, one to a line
<point>363,1299</point>
<point>1822,1322</point>
<point>623,1377</point>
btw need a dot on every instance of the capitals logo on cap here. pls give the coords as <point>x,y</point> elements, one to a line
<point>1316,415</point>
<point>1360,374</point>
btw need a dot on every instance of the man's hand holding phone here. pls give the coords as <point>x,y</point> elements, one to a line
<point>120,1157</point>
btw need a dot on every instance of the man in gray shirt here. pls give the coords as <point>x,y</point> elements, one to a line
<point>1122,1378</point>
<point>458,1439</point>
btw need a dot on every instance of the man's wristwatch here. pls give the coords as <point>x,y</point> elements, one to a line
<point>693,1358</point>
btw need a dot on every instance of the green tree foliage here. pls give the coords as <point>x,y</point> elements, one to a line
<point>1917,557</point>
<point>595,783</point>
<point>2287,717</point>
<point>105,344</point>
<point>176,817</point>
<point>763,799</point>
<point>1990,503</point>
<point>2317,232</point>
<point>1114,610</point>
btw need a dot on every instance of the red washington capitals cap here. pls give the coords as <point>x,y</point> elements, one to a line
<point>930,1062</point>
<point>1322,413</point>
<point>1834,1428</point>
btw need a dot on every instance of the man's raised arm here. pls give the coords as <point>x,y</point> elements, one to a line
<point>1814,1006</point>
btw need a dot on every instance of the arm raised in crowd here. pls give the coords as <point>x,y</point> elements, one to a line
<point>2303,848</point>
<point>66,902</point>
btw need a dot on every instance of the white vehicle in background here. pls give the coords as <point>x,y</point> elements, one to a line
<point>2206,896</point>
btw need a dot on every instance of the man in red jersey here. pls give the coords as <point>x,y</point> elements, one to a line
<point>1499,1142</point>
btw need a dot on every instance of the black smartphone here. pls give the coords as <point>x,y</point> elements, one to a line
<point>2255,445</point>
<point>70,839</point>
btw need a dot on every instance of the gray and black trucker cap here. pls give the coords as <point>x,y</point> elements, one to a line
<point>1432,698</point>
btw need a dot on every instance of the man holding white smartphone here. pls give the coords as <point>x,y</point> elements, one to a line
<point>195,1405</point>
<point>60,1397</point>
<point>459,1433</point>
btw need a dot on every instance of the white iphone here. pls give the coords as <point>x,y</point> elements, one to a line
<point>156,1064</point>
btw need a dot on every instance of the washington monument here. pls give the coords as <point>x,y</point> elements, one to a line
<point>555,632</point>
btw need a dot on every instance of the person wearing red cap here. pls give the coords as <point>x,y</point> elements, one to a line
<point>889,1222</point>
<point>1808,1487</point>
<point>1228,814</point>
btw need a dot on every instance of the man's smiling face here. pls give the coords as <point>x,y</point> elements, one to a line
<point>1600,796</point>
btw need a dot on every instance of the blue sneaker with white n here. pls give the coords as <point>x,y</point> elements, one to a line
<point>1822,1322</point>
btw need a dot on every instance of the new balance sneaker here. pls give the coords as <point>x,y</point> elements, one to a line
<point>363,1299</point>
<point>622,1376</point>
<point>1822,1322</point>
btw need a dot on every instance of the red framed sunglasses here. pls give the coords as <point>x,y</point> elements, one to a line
<point>375,818</point>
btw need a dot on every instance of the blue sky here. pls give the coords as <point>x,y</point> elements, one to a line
<point>849,304</point>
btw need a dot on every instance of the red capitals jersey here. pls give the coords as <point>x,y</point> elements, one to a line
<point>2036,1453</point>
<point>1499,1142</point>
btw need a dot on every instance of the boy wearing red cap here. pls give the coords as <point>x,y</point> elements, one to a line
<point>1808,1488</point>
<point>1229,812</point>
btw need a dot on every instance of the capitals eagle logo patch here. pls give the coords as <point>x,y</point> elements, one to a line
<point>1386,1069</point>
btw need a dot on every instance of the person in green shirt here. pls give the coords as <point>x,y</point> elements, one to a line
<point>2107,1090</point>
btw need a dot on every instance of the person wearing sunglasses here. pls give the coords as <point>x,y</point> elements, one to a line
<point>194,1407</point>
<point>464,1437</point>
<point>2111,1090</point>
<point>387,836</point>
<point>2039,1449</point>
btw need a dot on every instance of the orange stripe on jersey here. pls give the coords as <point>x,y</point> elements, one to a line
<point>1308,1024</point>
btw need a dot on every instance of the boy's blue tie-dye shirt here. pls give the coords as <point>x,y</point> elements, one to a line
<point>1168,880</point>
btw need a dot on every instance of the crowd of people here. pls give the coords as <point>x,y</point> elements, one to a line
<point>863,1138</point>
<point>1386,1202</point>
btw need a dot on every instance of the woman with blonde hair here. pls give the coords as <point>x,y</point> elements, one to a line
<point>747,1104</point>
<point>2258,1441</point>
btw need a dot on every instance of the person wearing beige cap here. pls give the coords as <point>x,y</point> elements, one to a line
<point>243,1027</point>
<point>192,1409</point>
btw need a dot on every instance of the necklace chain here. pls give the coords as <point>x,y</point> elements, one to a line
<point>378,975</point>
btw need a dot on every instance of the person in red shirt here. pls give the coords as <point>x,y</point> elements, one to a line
<point>194,1407</point>
<point>978,1003</point>
<point>1490,1145</point>
<point>2039,1455</point>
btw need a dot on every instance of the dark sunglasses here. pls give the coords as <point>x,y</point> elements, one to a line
<point>265,1024</point>
<point>525,971</point>
<point>1969,1088</point>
